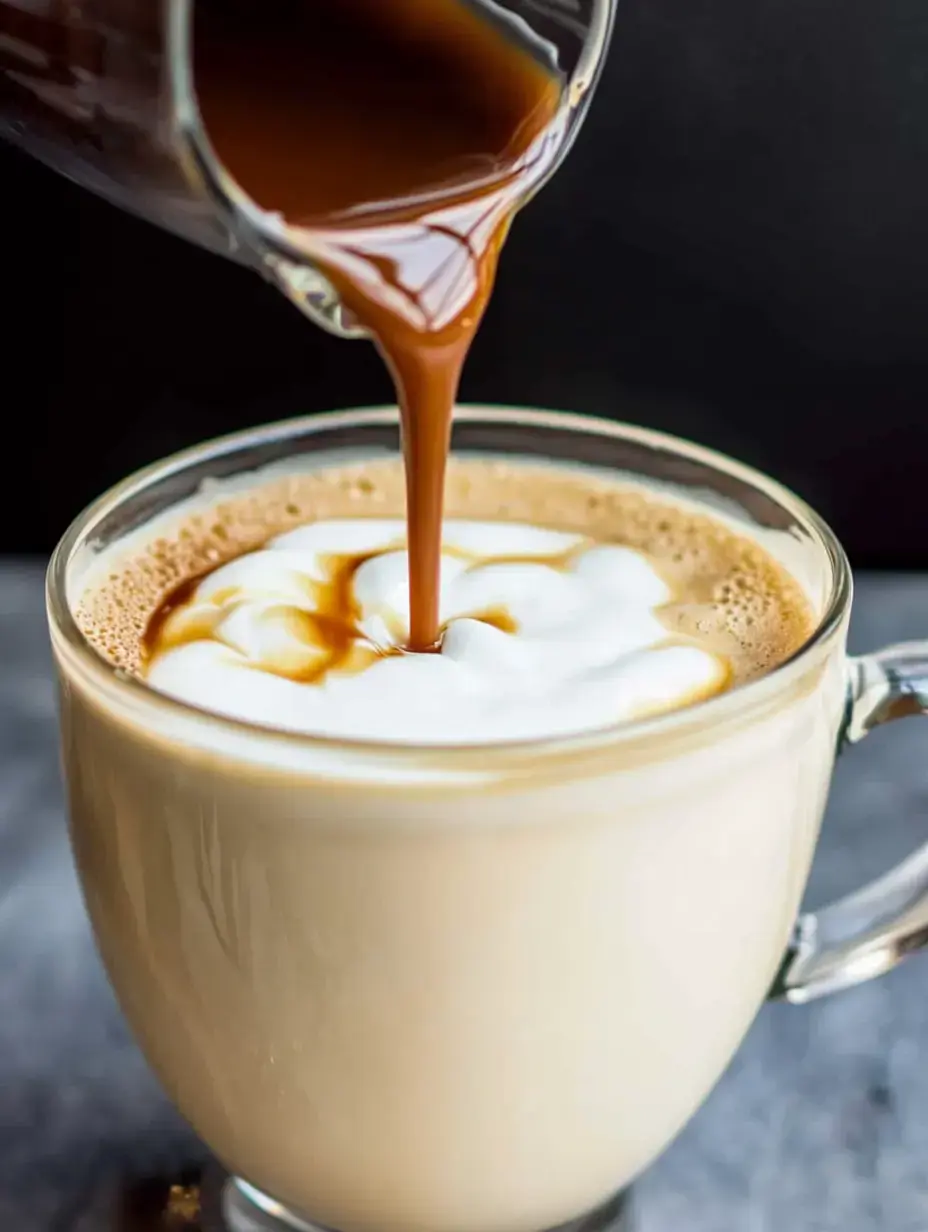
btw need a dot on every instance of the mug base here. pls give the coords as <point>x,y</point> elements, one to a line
<point>232,1205</point>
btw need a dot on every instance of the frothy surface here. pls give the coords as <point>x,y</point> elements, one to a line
<point>544,633</point>
<point>569,602</point>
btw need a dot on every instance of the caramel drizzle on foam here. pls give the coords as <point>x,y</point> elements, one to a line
<point>329,638</point>
<point>329,635</point>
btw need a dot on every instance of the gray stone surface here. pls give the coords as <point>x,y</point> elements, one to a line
<point>820,1124</point>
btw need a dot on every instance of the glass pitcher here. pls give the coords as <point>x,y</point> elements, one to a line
<point>103,92</point>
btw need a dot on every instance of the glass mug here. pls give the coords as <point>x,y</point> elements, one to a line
<point>441,990</point>
<point>103,92</point>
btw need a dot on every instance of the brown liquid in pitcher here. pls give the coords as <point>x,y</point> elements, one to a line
<point>401,136</point>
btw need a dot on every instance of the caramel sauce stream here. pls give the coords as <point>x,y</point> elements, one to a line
<point>399,137</point>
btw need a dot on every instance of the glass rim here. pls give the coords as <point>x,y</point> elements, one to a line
<point>733,702</point>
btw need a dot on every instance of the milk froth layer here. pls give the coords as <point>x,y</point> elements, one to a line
<point>569,602</point>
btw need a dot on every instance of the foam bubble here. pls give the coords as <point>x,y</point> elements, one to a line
<point>583,645</point>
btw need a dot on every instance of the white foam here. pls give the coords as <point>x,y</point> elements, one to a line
<point>588,650</point>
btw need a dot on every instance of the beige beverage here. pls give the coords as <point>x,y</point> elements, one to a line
<point>421,988</point>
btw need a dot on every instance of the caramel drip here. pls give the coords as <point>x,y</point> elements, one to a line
<point>398,139</point>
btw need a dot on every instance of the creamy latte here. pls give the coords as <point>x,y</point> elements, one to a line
<point>441,981</point>
<point>567,603</point>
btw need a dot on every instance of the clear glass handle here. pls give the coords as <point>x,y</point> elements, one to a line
<point>871,930</point>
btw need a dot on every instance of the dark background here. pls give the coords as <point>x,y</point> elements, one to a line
<point>737,251</point>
